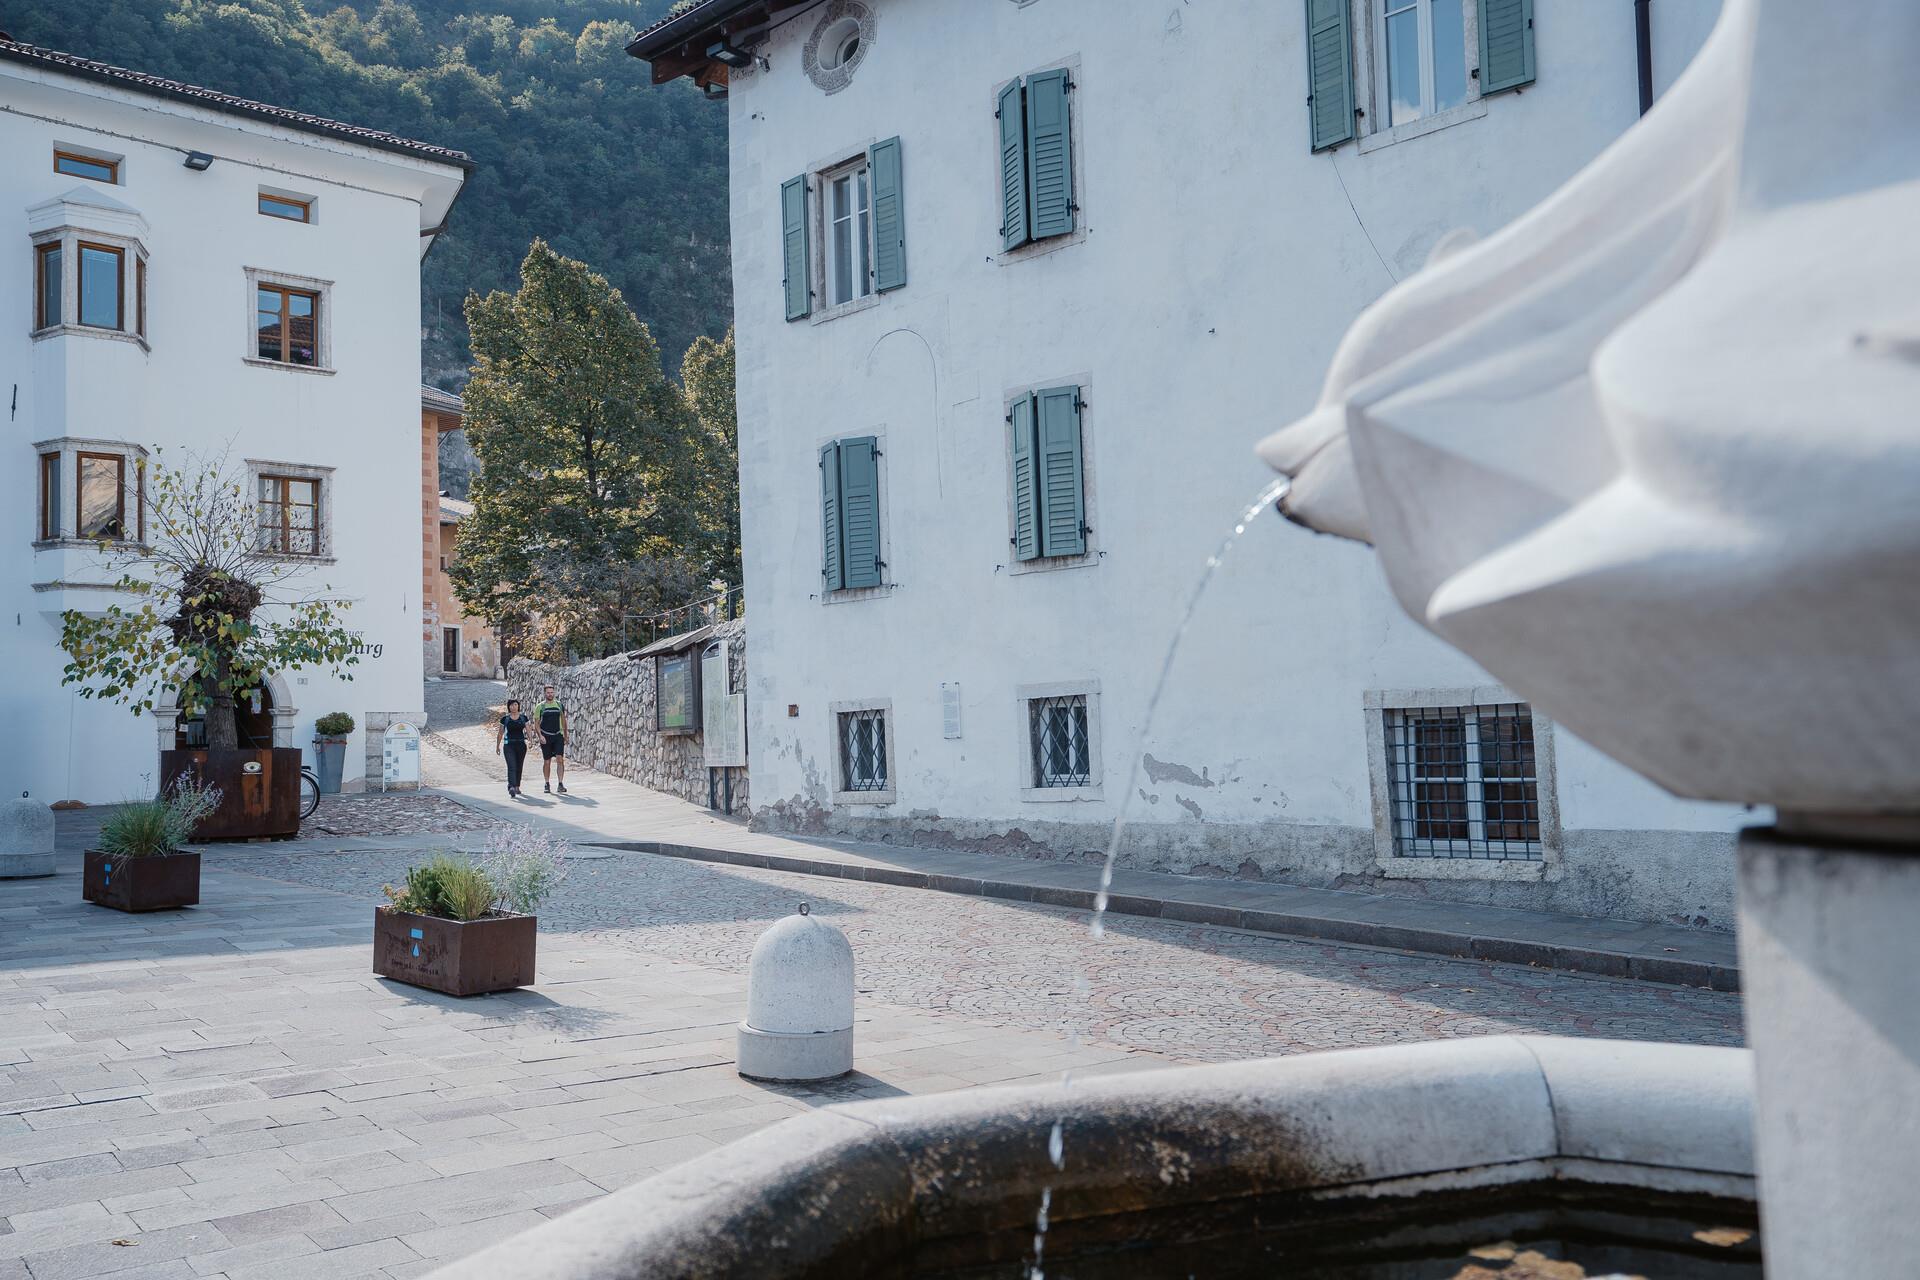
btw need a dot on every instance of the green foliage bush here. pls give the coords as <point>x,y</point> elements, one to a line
<point>521,868</point>
<point>155,828</point>
<point>571,139</point>
<point>334,724</point>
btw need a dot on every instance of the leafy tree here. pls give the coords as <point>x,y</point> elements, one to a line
<point>572,140</point>
<point>707,374</point>
<point>212,602</point>
<point>586,506</point>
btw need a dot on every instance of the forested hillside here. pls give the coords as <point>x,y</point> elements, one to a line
<point>572,142</point>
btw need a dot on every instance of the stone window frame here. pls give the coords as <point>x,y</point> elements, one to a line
<point>133,490</point>
<point>820,175</point>
<point>134,261</point>
<point>1076,148</point>
<point>1549,866</point>
<point>1367,22</point>
<point>886,585</point>
<point>323,289</point>
<point>1094,790</point>
<point>329,500</point>
<point>1094,553</point>
<point>890,795</point>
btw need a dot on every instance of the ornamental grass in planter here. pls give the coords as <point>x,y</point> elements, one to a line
<point>140,865</point>
<point>467,927</point>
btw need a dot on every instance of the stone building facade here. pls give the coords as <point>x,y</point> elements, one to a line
<point>612,710</point>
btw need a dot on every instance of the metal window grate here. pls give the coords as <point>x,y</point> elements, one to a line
<point>863,750</point>
<point>1061,756</point>
<point>1464,782</point>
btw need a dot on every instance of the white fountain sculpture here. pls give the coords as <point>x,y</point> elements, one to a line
<point>1651,455</point>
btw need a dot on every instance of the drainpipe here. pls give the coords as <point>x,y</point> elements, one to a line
<point>1643,47</point>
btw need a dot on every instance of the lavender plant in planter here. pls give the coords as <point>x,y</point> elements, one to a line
<point>140,865</point>
<point>467,927</point>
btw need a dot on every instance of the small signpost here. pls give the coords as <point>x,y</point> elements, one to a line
<point>400,757</point>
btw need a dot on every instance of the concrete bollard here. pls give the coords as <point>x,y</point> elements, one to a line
<point>799,1023</point>
<point>26,838</point>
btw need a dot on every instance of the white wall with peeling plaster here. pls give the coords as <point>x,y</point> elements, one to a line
<point>1217,263</point>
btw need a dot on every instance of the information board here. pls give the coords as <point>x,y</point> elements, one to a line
<point>400,755</point>
<point>723,713</point>
<point>675,710</point>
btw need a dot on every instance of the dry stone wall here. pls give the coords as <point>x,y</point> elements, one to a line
<point>610,718</point>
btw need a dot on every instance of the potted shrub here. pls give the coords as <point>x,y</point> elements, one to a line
<point>217,606</point>
<point>140,865</point>
<point>330,748</point>
<point>467,927</point>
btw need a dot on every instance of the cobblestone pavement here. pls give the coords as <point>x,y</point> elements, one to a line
<point>1194,992</point>
<point>461,715</point>
<point>393,815</point>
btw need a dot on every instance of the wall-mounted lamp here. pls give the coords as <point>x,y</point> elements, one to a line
<point>198,160</point>
<point>732,55</point>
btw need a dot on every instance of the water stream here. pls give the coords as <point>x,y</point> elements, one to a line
<point>1056,1140</point>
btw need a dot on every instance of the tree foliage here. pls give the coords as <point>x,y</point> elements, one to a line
<point>211,604</point>
<point>592,500</point>
<point>707,374</point>
<point>571,139</point>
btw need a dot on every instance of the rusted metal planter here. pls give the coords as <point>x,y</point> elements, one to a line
<point>459,957</point>
<point>259,789</point>
<point>158,883</point>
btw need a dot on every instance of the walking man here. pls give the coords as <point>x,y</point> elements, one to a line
<point>552,719</point>
<point>510,740</point>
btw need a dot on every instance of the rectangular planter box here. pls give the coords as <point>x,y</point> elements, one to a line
<point>461,958</point>
<point>141,884</point>
<point>261,801</point>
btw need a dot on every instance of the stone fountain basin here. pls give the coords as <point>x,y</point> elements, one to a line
<point>952,1181</point>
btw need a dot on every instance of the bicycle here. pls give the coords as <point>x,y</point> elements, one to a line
<point>309,792</point>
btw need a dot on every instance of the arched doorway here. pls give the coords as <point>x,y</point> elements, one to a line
<point>263,720</point>
<point>252,716</point>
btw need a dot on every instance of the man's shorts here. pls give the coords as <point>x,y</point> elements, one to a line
<point>552,744</point>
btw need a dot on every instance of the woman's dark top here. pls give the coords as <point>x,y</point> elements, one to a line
<point>516,728</point>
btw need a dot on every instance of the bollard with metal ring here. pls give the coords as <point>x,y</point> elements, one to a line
<point>799,1023</point>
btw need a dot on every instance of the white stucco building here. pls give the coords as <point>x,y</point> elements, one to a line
<point>1018,285</point>
<point>195,274</point>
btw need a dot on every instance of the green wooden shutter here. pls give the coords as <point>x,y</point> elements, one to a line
<point>832,560</point>
<point>793,248</point>
<point>1026,490</point>
<point>1049,155</point>
<point>860,511</point>
<point>1013,167</point>
<point>889,220</point>
<point>1506,45</point>
<point>1330,73</point>
<point>1062,496</point>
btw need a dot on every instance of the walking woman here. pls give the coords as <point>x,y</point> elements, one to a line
<point>513,729</point>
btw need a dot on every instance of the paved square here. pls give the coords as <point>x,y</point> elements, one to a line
<point>228,1091</point>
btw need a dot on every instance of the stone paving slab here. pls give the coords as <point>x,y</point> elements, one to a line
<point>228,1091</point>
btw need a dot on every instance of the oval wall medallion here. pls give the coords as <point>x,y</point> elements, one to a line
<point>839,43</point>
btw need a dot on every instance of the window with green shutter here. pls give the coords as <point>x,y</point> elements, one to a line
<point>793,248</point>
<point>1329,72</point>
<point>1048,474</point>
<point>1035,124</point>
<point>850,514</point>
<point>1506,45</point>
<point>889,217</point>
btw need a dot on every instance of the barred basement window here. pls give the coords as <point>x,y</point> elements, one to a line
<point>863,750</point>
<point>1464,782</point>
<point>1062,755</point>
